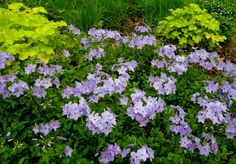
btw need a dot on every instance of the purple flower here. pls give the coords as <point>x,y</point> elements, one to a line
<point>204,150</point>
<point>98,53</point>
<point>211,87</point>
<point>66,53</point>
<point>143,108</point>
<point>30,68</point>
<point>125,152</point>
<point>18,88</point>
<point>68,151</point>
<point>103,123</point>
<point>54,125</point>
<point>163,85</point>
<point>44,128</point>
<point>142,29</point>
<point>74,30</point>
<point>109,155</point>
<point>39,92</point>
<point>167,50</point>
<point>142,154</point>
<point>74,110</point>
<point>124,100</point>
<point>4,57</point>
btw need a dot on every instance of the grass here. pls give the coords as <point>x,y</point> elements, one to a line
<point>155,10</point>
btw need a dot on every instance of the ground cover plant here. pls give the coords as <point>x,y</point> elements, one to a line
<point>113,98</point>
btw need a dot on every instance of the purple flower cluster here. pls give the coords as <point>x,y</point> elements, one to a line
<point>181,127</point>
<point>211,87</point>
<point>47,128</point>
<point>18,88</point>
<point>74,110</point>
<point>66,53</point>
<point>49,70</point>
<point>143,109</point>
<point>103,123</point>
<point>189,141</point>
<point>74,30</point>
<point>10,86</point>
<point>142,29</point>
<point>211,109</point>
<point>164,85</point>
<point>109,155</point>
<point>30,68</point>
<point>42,84</point>
<point>101,34</point>
<point>204,59</point>
<point>4,57</point>
<point>97,53</point>
<point>142,154</point>
<point>168,51</point>
<point>230,130</point>
<point>170,61</point>
<point>68,151</point>
<point>139,41</point>
<point>101,83</point>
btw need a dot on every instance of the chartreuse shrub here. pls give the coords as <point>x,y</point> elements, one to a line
<point>223,11</point>
<point>26,33</point>
<point>191,26</point>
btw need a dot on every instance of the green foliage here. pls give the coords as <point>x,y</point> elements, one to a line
<point>26,33</point>
<point>224,11</point>
<point>191,26</point>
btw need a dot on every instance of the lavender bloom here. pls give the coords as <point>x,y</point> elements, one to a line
<point>124,100</point>
<point>66,53</point>
<point>46,128</point>
<point>62,138</point>
<point>39,92</point>
<point>204,150</point>
<point>30,68</point>
<point>185,142</point>
<point>230,130</point>
<point>109,155</point>
<point>101,124</point>
<point>85,42</point>
<point>164,85</point>
<point>211,87</point>
<point>125,152</point>
<point>159,63</point>
<point>212,110</point>
<point>140,41</point>
<point>18,88</point>
<point>4,57</point>
<point>67,92</point>
<point>74,30</point>
<point>142,29</point>
<point>98,53</point>
<point>142,154</point>
<point>49,70</point>
<point>68,151</point>
<point>54,125</point>
<point>167,50</point>
<point>56,82</point>
<point>74,111</point>
<point>45,83</point>
<point>143,113</point>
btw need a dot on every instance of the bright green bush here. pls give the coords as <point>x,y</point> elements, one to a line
<point>25,33</point>
<point>191,26</point>
<point>223,11</point>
